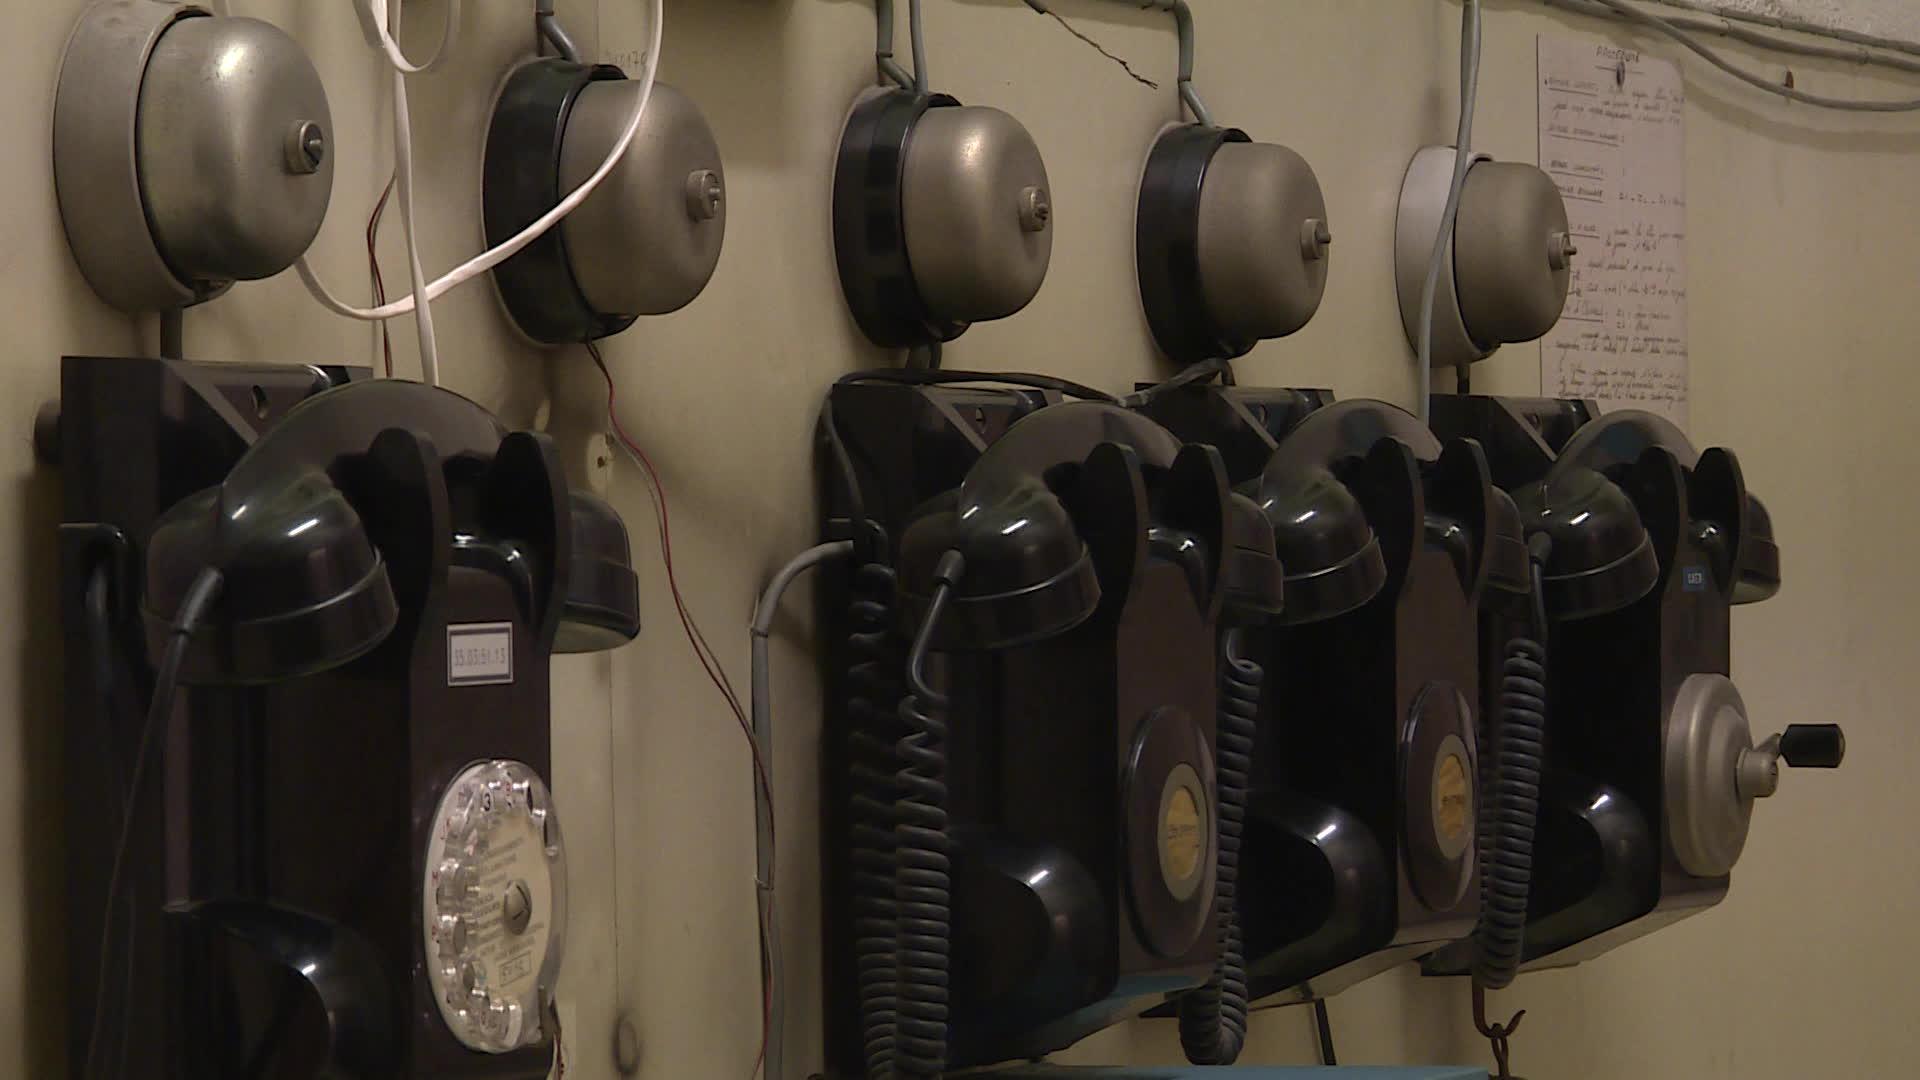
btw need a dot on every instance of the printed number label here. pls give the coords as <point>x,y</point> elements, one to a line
<point>479,654</point>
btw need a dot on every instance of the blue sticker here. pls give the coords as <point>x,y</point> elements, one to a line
<point>1694,578</point>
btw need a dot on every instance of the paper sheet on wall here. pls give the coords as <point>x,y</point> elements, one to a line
<point>1613,137</point>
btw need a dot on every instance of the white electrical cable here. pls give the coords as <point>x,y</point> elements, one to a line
<point>480,264</point>
<point>381,29</point>
<point>403,190</point>
<point>374,19</point>
<point>1462,161</point>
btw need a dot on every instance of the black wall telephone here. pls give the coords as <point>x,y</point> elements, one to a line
<point>1023,771</point>
<point>332,852</point>
<point>1645,544</point>
<point>1360,845</point>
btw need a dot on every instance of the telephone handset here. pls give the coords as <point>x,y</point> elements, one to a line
<point>1053,768</point>
<point>1634,535</point>
<point>368,873</point>
<point>1567,548</point>
<point>1722,554</point>
<point>1059,503</point>
<point>1736,529</point>
<point>1360,845</point>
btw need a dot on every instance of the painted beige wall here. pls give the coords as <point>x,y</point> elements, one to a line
<point>1803,253</point>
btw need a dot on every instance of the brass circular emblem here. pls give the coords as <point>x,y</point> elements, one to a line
<point>1182,835</point>
<point>1452,801</point>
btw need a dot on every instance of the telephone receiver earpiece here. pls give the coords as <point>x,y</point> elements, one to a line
<point>1594,550</point>
<point>1730,520</point>
<point>603,593</point>
<point>305,589</point>
<point>1052,510</point>
<point>1029,575</point>
<point>309,583</point>
<point>1329,554</point>
<point>1344,494</point>
<point>1759,564</point>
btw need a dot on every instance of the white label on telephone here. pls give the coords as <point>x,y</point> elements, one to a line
<point>479,654</point>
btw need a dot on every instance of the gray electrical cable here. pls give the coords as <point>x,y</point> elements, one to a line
<point>1626,12</point>
<point>1183,24</point>
<point>762,695</point>
<point>890,69</point>
<point>1462,161</point>
<point>916,30</point>
<point>1798,26</point>
<point>1723,27</point>
<point>548,25</point>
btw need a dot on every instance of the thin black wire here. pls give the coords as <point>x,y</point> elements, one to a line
<point>1194,373</point>
<point>849,479</point>
<point>925,357</point>
<point>133,954</point>
<point>1040,7</point>
<point>100,643</point>
<point>934,377</point>
<point>948,572</point>
<point>1323,1030</point>
<point>373,263</point>
<point>99,610</point>
<point>200,596</point>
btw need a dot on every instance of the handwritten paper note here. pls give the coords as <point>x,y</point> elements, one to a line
<point>1613,136</point>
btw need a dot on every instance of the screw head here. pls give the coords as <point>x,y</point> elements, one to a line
<point>1315,238</point>
<point>1036,211</point>
<point>1560,251</point>
<point>306,148</point>
<point>705,193</point>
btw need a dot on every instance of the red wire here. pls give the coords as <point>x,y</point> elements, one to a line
<point>657,493</point>
<point>373,260</point>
